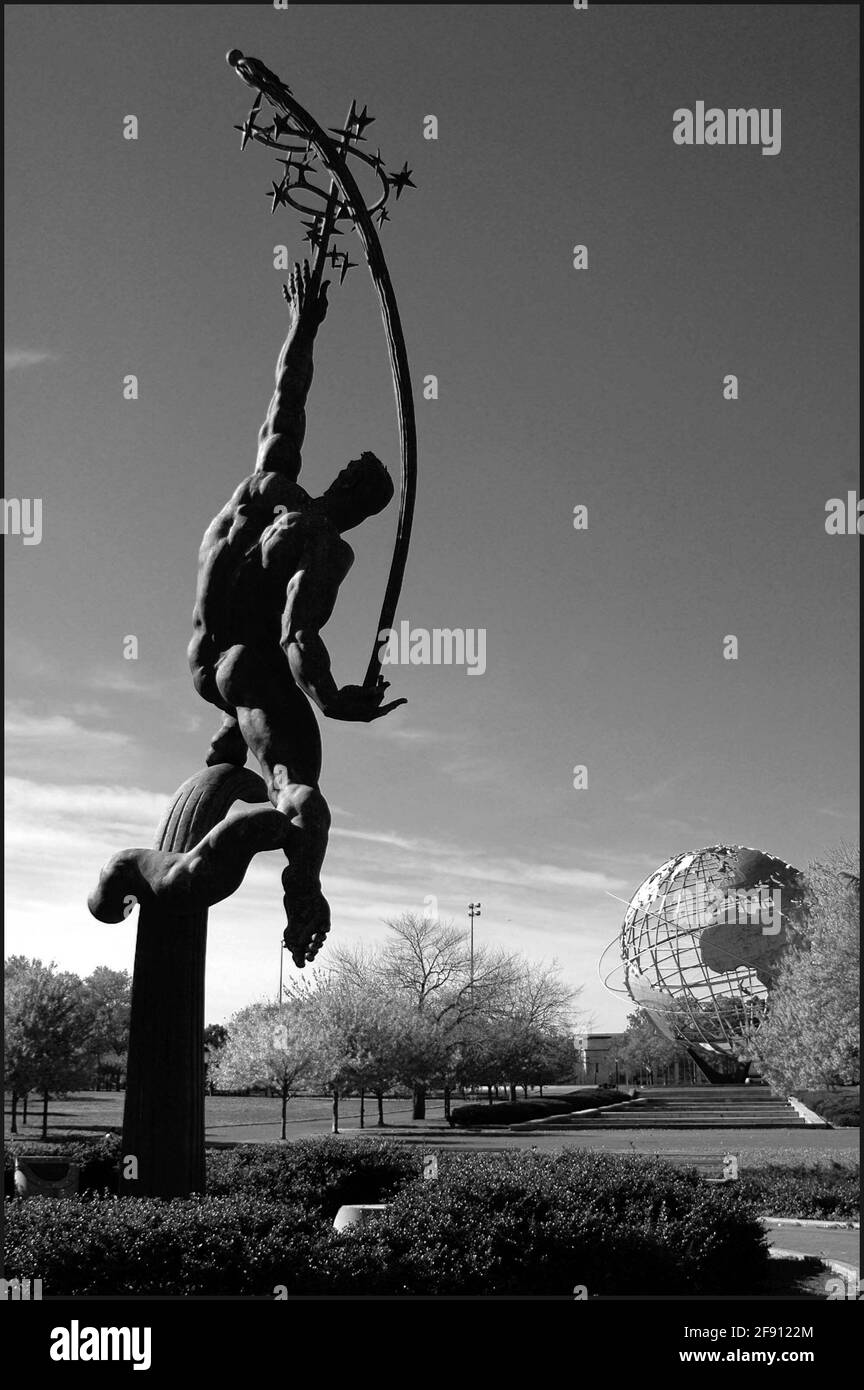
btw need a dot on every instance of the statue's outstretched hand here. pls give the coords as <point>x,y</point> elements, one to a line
<point>361,704</point>
<point>307,306</point>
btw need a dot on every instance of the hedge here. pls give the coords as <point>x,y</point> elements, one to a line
<point>490,1224</point>
<point>819,1194</point>
<point>840,1108</point>
<point>319,1174</point>
<point>481,1116</point>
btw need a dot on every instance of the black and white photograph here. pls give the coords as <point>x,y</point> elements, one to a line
<point>430,521</point>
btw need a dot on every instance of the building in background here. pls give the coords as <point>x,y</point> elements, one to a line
<point>597,1059</point>
<point>599,1063</point>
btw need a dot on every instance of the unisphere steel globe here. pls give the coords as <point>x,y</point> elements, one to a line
<point>701,942</point>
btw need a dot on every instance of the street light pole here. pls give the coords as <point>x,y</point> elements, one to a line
<point>281,963</point>
<point>473,911</point>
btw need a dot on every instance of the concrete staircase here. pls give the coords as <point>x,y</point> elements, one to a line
<point>695,1107</point>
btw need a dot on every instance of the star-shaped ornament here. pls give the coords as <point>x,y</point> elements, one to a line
<point>249,129</point>
<point>401,180</point>
<point>346,266</point>
<point>281,126</point>
<point>279,194</point>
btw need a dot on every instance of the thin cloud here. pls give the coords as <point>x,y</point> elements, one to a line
<point>84,803</point>
<point>42,747</point>
<point>420,736</point>
<point>57,729</point>
<point>14,358</point>
<point>659,789</point>
<point>120,681</point>
<point>425,857</point>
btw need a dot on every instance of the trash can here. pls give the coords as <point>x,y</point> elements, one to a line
<point>53,1175</point>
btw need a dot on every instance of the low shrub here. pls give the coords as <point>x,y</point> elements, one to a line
<point>839,1108</point>
<point>198,1245</point>
<point>809,1193</point>
<point>505,1112</point>
<point>587,1100</point>
<point>481,1116</point>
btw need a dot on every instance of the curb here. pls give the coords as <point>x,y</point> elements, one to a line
<point>808,1116</point>
<point>571,1121</point>
<point>848,1273</point>
<point>781,1221</point>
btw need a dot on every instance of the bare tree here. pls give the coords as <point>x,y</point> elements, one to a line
<point>462,1005</point>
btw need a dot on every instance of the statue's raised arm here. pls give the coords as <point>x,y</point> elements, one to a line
<point>280,439</point>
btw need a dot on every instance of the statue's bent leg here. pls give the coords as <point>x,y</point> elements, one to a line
<point>282,733</point>
<point>190,882</point>
<point>307,911</point>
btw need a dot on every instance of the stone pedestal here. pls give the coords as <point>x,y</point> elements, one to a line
<point>163,1118</point>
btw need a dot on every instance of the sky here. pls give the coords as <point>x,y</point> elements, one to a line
<point>557,388</point>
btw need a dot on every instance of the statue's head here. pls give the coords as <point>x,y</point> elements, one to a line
<point>361,490</point>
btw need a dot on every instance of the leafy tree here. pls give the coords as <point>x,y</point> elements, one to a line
<point>385,1036</point>
<point>810,1033</point>
<point>357,1040</point>
<point>267,1045</point>
<point>47,1031</point>
<point>215,1035</point>
<point>533,1005</point>
<point>215,1038</point>
<point>107,998</point>
<point>17,1072</point>
<point>553,1059</point>
<point>644,1048</point>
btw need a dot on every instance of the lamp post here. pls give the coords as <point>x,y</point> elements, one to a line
<point>473,911</point>
<point>281,963</point>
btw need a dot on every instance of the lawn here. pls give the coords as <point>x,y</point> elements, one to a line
<point>256,1119</point>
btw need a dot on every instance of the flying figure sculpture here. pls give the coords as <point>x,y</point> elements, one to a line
<point>270,567</point>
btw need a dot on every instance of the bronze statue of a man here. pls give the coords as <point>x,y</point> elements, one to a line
<point>270,567</point>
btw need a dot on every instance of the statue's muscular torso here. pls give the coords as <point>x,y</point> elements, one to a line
<point>250,553</point>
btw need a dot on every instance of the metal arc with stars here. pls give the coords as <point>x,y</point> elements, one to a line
<point>343,202</point>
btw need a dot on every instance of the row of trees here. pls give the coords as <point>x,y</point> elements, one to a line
<point>62,1032</point>
<point>416,1011</point>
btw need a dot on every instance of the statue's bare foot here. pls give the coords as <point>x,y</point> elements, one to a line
<point>120,888</point>
<point>308,915</point>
